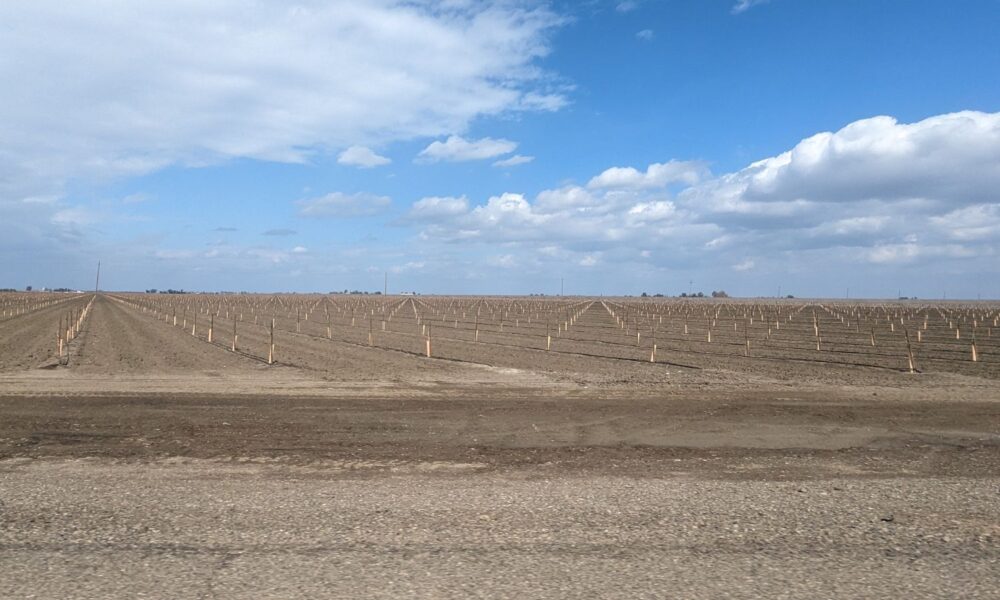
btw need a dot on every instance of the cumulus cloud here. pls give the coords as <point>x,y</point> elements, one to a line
<point>129,89</point>
<point>873,181</point>
<point>513,161</point>
<point>572,215</point>
<point>651,211</point>
<point>953,157</point>
<point>457,148</point>
<point>361,156</point>
<point>340,205</point>
<point>569,198</point>
<point>97,91</point>
<point>508,213</point>
<point>876,191</point>
<point>656,175</point>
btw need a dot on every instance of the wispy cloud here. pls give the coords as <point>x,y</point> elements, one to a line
<point>280,232</point>
<point>513,161</point>
<point>457,149</point>
<point>340,205</point>
<point>137,198</point>
<point>745,5</point>
<point>436,207</point>
<point>645,35</point>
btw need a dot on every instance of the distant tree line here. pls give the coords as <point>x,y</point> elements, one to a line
<point>30,288</point>
<point>715,294</point>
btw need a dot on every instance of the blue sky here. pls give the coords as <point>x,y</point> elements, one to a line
<point>468,147</point>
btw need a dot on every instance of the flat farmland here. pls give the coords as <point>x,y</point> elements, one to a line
<point>368,446</point>
<point>560,335</point>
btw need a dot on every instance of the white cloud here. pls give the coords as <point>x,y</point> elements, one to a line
<point>570,198</point>
<point>854,225</point>
<point>953,157</point>
<point>300,250</point>
<point>457,148</point>
<point>645,35</point>
<point>548,102</point>
<point>651,211</point>
<point>506,210</point>
<point>570,215</point>
<point>977,222</point>
<point>744,5</point>
<point>361,156</point>
<point>435,207</point>
<point>911,251</point>
<point>513,161</point>
<point>656,175</point>
<point>130,88</point>
<point>848,196</point>
<point>340,205</point>
<point>627,6</point>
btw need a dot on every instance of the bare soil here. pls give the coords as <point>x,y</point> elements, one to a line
<point>354,471</point>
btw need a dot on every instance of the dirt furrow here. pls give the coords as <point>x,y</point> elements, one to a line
<point>29,341</point>
<point>118,341</point>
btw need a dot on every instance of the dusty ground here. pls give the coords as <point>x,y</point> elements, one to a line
<point>157,465</point>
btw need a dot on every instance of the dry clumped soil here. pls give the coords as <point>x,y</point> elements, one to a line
<point>154,464</point>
